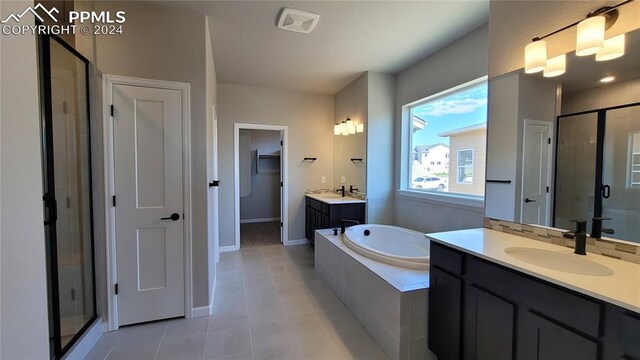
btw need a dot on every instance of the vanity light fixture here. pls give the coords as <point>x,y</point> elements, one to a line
<point>556,66</point>
<point>607,79</point>
<point>535,56</point>
<point>590,40</point>
<point>613,48</point>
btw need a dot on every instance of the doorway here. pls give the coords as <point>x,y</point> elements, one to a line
<point>147,145</point>
<point>260,153</point>
<point>536,172</point>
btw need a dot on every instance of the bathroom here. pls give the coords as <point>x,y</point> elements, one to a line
<point>439,128</point>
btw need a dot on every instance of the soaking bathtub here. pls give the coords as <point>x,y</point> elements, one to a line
<point>390,245</point>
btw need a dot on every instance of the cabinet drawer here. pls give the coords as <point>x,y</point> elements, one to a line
<point>315,204</point>
<point>446,258</point>
<point>562,305</point>
<point>630,336</point>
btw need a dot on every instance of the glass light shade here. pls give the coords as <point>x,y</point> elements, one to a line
<point>535,57</point>
<point>360,128</point>
<point>336,129</point>
<point>343,128</point>
<point>613,48</point>
<point>349,123</point>
<point>590,37</point>
<point>556,66</point>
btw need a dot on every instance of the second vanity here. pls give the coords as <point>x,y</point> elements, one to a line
<point>499,296</point>
<point>326,210</point>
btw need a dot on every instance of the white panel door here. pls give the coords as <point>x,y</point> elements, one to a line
<point>536,161</point>
<point>147,134</point>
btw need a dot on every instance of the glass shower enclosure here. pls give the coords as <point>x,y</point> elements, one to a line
<point>67,197</point>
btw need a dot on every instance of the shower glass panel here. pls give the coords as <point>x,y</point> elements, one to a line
<point>575,169</point>
<point>621,173</point>
<point>67,198</point>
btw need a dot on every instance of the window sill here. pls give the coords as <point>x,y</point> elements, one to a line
<point>454,199</point>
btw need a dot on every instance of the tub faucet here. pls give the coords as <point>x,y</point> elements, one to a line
<point>347,221</point>
<point>580,235</point>
<point>596,227</point>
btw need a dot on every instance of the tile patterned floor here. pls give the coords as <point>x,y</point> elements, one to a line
<point>269,304</point>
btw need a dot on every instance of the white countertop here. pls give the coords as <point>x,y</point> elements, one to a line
<point>331,198</point>
<point>622,288</point>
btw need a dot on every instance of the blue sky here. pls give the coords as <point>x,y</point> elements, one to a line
<point>465,108</point>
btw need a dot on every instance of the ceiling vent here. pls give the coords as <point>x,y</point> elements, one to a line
<point>297,20</point>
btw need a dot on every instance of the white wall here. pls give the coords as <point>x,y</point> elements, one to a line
<point>24,330</point>
<point>309,118</point>
<point>264,200</point>
<point>463,60</point>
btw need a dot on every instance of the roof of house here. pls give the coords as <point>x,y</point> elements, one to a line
<point>425,148</point>
<point>463,130</point>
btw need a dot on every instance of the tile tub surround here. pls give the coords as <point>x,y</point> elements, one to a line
<point>622,250</point>
<point>390,302</point>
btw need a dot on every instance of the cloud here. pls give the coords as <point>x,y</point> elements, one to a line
<point>461,103</point>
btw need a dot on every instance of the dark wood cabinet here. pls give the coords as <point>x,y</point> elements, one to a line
<point>479,310</point>
<point>444,314</point>
<point>488,326</point>
<point>319,215</point>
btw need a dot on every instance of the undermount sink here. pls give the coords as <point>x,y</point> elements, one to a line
<point>560,261</point>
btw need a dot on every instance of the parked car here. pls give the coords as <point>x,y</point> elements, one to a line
<point>433,183</point>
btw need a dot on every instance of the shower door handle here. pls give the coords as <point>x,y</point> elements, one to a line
<point>606,191</point>
<point>51,203</point>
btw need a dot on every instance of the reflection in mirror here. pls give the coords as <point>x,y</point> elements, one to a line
<point>594,147</point>
<point>346,171</point>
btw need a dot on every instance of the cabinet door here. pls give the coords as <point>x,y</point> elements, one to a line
<point>445,294</point>
<point>540,339</point>
<point>488,326</point>
<point>630,337</point>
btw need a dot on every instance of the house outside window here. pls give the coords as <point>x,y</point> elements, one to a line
<point>447,139</point>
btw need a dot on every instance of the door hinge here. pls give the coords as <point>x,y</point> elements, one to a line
<point>549,141</point>
<point>73,294</point>
<point>547,189</point>
<point>113,200</point>
<point>281,183</point>
<point>281,224</point>
<point>116,288</point>
<point>113,110</point>
<point>281,143</point>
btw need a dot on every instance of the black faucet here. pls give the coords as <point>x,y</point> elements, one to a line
<point>347,221</point>
<point>341,190</point>
<point>596,228</point>
<point>580,235</point>
<point>352,188</point>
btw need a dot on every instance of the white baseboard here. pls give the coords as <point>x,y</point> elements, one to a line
<point>213,292</point>
<point>229,248</point>
<point>86,342</point>
<point>206,310</point>
<point>296,242</point>
<point>251,221</point>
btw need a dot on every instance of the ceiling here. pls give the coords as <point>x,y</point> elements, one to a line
<point>351,37</point>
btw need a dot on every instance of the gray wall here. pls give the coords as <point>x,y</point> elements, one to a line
<point>264,200</point>
<point>309,118</point>
<point>380,142</point>
<point>351,102</point>
<point>464,60</point>
<point>24,331</point>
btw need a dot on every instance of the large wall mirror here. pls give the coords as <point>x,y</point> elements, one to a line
<point>578,145</point>
<point>349,157</point>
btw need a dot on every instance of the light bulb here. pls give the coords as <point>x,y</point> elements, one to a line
<point>556,66</point>
<point>590,36</point>
<point>613,48</point>
<point>535,57</point>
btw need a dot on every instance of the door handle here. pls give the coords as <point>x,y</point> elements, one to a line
<point>527,200</point>
<point>606,191</point>
<point>214,183</point>
<point>173,217</point>
<point>52,204</point>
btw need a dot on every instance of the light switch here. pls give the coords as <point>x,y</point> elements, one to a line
<point>343,179</point>
<point>323,180</point>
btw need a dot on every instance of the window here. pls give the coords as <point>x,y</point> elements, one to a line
<point>465,167</point>
<point>450,128</point>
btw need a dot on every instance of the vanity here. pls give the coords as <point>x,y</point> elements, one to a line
<point>500,296</point>
<point>326,210</point>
